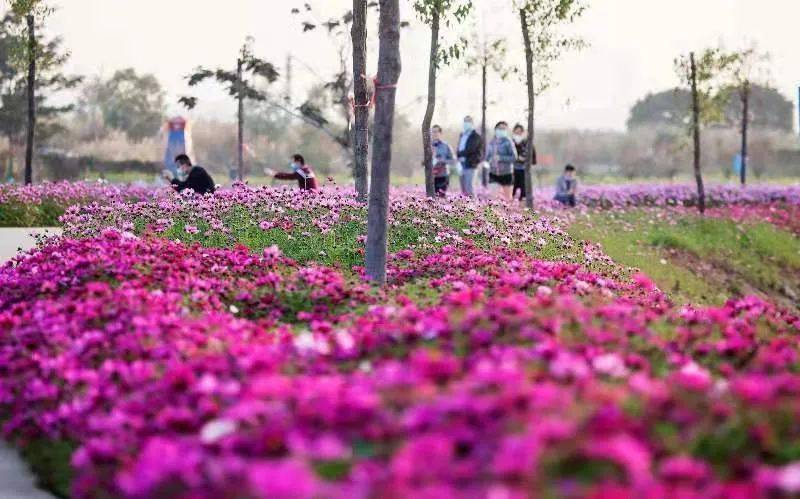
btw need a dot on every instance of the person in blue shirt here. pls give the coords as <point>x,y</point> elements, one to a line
<point>442,159</point>
<point>501,154</point>
<point>567,187</point>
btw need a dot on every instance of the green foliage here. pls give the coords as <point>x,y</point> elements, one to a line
<point>711,67</point>
<point>445,12</point>
<point>251,65</point>
<point>491,53</point>
<point>769,109</point>
<point>734,257</point>
<point>51,58</point>
<point>128,102</point>
<point>546,20</point>
<point>50,462</point>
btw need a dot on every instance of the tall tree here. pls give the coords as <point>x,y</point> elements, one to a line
<point>361,99</point>
<point>748,68</point>
<point>769,109</point>
<point>434,13</point>
<point>542,23</point>
<point>389,67</point>
<point>29,9</point>
<point>240,85</point>
<point>350,122</point>
<point>704,77</point>
<point>488,55</point>
<point>30,73</point>
<point>131,103</point>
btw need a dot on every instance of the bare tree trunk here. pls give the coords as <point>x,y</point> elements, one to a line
<point>31,99</point>
<point>389,68</point>
<point>427,153</point>
<point>526,36</point>
<point>698,175</point>
<point>240,120</point>
<point>361,99</point>
<point>745,122</point>
<point>483,101</point>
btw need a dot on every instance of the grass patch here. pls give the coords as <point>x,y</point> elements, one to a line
<point>696,259</point>
<point>50,462</point>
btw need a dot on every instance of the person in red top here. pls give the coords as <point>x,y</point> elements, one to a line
<point>300,171</point>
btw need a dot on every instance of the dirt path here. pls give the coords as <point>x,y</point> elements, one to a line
<point>16,480</point>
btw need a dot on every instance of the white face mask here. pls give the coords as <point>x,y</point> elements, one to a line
<point>518,138</point>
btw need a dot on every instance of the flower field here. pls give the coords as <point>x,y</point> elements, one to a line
<point>229,347</point>
<point>40,205</point>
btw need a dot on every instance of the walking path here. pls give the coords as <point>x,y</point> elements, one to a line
<point>16,480</point>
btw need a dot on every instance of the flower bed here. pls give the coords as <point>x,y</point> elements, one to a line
<point>185,371</point>
<point>666,195</point>
<point>328,226</point>
<point>786,216</point>
<point>40,205</point>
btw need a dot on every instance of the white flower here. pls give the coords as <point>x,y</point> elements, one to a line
<point>789,478</point>
<point>610,364</point>
<point>234,309</point>
<point>345,340</point>
<point>217,429</point>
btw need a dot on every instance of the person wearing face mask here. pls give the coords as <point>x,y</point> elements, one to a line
<point>301,172</point>
<point>197,178</point>
<point>521,144</point>
<point>442,159</point>
<point>470,145</point>
<point>501,156</point>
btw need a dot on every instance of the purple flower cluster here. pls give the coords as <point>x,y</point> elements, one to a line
<point>41,204</point>
<point>665,195</point>
<point>183,371</point>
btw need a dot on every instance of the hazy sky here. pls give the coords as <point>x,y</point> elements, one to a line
<point>633,43</point>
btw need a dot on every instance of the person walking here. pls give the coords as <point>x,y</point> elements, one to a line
<point>469,156</point>
<point>301,172</point>
<point>502,156</point>
<point>442,159</point>
<point>521,145</point>
<point>197,178</point>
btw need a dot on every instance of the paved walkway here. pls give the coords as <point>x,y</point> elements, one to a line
<point>11,240</point>
<point>16,480</point>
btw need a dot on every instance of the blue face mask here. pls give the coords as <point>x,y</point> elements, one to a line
<point>294,166</point>
<point>501,134</point>
<point>468,127</point>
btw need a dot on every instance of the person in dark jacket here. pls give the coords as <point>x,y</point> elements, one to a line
<point>470,155</point>
<point>521,143</point>
<point>301,172</point>
<point>197,178</point>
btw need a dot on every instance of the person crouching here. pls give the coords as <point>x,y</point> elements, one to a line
<point>301,172</point>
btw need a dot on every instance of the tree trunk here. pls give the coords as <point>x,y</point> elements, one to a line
<point>530,154</point>
<point>389,68</point>
<point>698,175</point>
<point>427,153</point>
<point>31,99</point>
<point>483,101</point>
<point>240,119</point>
<point>745,122</point>
<point>361,99</point>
